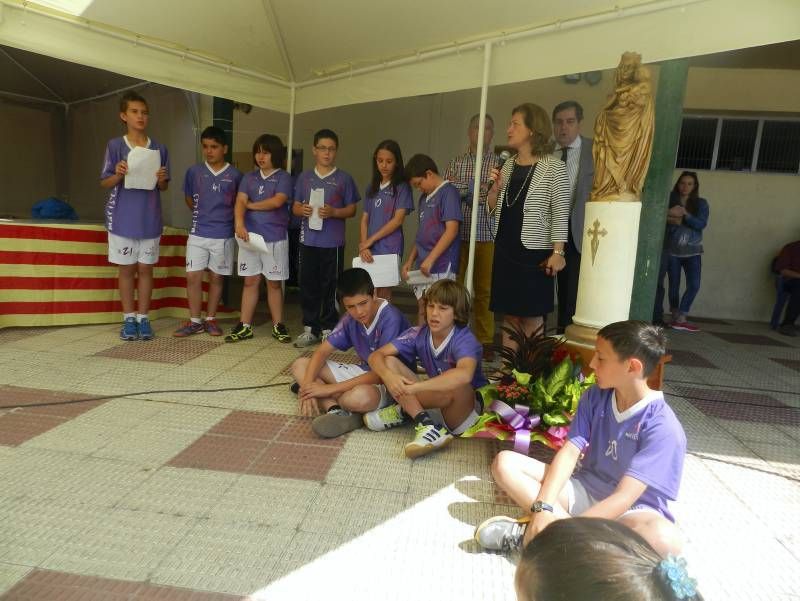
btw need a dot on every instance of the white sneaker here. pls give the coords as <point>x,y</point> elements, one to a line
<point>427,440</point>
<point>307,338</point>
<point>325,334</point>
<point>385,418</point>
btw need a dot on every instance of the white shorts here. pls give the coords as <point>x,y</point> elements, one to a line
<point>128,251</point>
<point>420,289</point>
<point>215,254</point>
<point>347,371</point>
<point>579,500</point>
<point>273,264</point>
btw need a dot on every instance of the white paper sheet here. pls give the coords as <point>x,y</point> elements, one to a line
<point>384,269</point>
<point>316,200</point>
<point>254,243</point>
<point>417,278</point>
<point>142,166</point>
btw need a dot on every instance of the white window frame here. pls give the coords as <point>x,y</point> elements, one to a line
<point>757,146</point>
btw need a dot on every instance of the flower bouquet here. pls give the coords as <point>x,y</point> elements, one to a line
<point>537,394</point>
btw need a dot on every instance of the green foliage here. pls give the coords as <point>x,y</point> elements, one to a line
<point>555,397</point>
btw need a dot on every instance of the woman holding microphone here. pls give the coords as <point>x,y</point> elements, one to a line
<point>531,203</point>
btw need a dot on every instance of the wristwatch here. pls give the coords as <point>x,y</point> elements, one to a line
<point>559,252</point>
<point>540,506</point>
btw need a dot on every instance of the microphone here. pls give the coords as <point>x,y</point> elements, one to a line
<point>504,156</point>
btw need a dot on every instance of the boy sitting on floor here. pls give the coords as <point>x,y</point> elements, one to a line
<point>632,449</point>
<point>342,391</point>
<point>451,356</point>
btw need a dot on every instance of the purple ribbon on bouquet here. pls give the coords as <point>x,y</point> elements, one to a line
<point>518,418</point>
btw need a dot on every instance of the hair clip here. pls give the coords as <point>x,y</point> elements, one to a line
<point>673,571</point>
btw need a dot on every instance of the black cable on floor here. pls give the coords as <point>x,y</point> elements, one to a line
<point>147,392</point>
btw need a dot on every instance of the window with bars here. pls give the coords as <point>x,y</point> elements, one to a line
<point>739,144</point>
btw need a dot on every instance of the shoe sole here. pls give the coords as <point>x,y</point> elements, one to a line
<point>239,339</point>
<point>493,520</point>
<point>683,329</point>
<point>413,451</point>
<point>220,333</point>
<point>331,426</point>
<point>283,340</point>
<point>304,345</point>
<point>176,335</point>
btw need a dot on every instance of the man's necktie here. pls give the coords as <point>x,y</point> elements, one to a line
<point>564,153</point>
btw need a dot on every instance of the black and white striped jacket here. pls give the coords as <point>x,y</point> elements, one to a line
<point>547,203</point>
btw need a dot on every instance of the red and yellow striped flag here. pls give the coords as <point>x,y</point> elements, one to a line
<point>59,274</point>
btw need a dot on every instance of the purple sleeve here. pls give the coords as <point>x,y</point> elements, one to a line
<point>298,188</point>
<point>188,189</point>
<point>396,324</point>
<point>340,336</point>
<point>405,200</point>
<point>351,195</point>
<point>659,460</point>
<point>451,205</point>
<point>109,163</point>
<point>468,346</point>
<point>284,185</point>
<point>406,343</point>
<point>581,426</point>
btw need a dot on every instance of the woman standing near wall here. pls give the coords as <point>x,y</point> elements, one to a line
<point>531,204</point>
<point>683,246</point>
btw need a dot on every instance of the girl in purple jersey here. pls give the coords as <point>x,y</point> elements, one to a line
<point>387,201</point>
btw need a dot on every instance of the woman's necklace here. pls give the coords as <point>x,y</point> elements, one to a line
<point>524,187</point>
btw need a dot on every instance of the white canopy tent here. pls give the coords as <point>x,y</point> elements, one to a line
<point>296,56</point>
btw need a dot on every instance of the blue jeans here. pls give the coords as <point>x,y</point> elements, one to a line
<point>691,267</point>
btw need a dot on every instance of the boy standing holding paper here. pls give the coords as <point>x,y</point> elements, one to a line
<point>324,197</point>
<point>133,217</point>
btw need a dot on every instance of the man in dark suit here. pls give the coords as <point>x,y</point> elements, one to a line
<point>576,151</point>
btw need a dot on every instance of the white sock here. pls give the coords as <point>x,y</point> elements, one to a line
<point>211,317</point>
<point>127,315</point>
<point>195,320</point>
<point>466,424</point>
<point>247,325</point>
<point>140,317</point>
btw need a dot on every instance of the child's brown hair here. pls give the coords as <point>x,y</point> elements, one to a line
<point>128,97</point>
<point>452,294</point>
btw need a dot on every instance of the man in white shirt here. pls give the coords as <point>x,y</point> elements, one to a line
<point>576,151</point>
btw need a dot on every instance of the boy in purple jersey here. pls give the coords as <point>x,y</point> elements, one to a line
<point>437,246</point>
<point>630,445</point>
<point>342,391</point>
<point>210,192</point>
<point>451,356</point>
<point>133,217</point>
<point>260,209</point>
<point>322,246</point>
<point>387,201</point>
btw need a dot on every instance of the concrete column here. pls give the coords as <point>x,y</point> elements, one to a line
<point>655,195</point>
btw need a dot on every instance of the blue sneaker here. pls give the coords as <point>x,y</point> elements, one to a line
<point>130,330</point>
<point>145,329</point>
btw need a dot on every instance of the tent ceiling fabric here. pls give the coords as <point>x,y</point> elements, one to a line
<point>38,76</point>
<point>238,52</point>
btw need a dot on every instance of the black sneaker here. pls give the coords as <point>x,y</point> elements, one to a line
<point>280,333</point>
<point>239,332</point>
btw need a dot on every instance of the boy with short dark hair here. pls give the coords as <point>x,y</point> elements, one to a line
<point>451,356</point>
<point>209,190</point>
<point>133,217</point>
<point>436,245</point>
<point>342,391</point>
<point>324,197</point>
<point>630,445</point>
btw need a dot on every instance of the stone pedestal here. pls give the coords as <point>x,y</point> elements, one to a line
<point>608,262</point>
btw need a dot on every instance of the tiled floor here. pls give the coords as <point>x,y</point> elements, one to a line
<point>210,494</point>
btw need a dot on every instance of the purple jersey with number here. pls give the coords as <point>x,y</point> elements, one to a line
<point>270,224</point>
<point>442,206</point>
<point>380,209</point>
<point>132,213</point>
<point>388,324</point>
<point>213,195</point>
<point>340,191</point>
<point>459,343</point>
<point>645,442</point>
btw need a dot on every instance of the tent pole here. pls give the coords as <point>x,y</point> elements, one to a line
<point>476,184</point>
<point>290,137</point>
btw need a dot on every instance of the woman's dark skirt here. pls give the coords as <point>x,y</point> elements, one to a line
<point>519,286</point>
